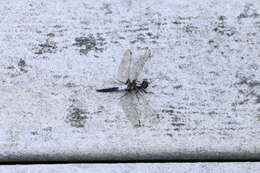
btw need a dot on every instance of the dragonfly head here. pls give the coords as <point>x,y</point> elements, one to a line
<point>145,83</point>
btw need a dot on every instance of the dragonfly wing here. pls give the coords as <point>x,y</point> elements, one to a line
<point>137,68</point>
<point>124,67</point>
<point>129,105</point>
<point>149,113</point>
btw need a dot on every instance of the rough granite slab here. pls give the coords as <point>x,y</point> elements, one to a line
<point>204,73</point>
<point>237,167</point>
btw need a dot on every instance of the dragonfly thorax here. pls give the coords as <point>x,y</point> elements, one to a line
<point>131,85</point>
<point>134,85</point>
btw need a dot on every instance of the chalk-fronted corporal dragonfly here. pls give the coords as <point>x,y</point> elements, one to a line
<point>128,73</point>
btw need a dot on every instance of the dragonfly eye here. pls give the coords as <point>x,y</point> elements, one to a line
<point>145,84</point>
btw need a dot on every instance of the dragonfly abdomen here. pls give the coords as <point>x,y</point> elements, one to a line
<point>113,89</point>
<point>108,89</point>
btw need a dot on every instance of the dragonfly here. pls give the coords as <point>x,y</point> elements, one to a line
<point>128,72</point>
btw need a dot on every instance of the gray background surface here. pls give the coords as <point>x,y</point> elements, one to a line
<point>238,167</point>
<point>204,72</point>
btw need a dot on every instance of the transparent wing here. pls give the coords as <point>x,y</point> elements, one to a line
<point>149,113</point>
<point>124,67</point>
<point>137,68</point>
<point>138,110</point>
<point>129,105</point>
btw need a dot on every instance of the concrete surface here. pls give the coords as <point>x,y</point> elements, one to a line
<point>238,167</point>
<point>204,72</point>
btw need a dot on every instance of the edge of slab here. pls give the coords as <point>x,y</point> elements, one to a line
<point>238,167</point>
<point>130,158</point>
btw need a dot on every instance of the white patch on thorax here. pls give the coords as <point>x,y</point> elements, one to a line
<point>138,83</point>
<point>122,87</point>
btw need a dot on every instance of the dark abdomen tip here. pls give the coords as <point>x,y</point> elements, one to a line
<point>108,89</point>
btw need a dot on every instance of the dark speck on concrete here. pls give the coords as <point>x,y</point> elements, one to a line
<point>170,111</point>
<point>168,134</point>
<point>50,35</point>
<point>107,8</point>
<point>34,133</point>
<point>211,41</point>
<point>190,28</point>
<point>22,65</point>
<point>149,34</point>
<point>177,86</point>
<point>70,85</point>
<point>221,18</point>
<point>258,116</point>
<point>10,67</point>
<point>249,12</point>
<point>46,47</point>
<point>222,28</point>
<point>89,43</point>
<point>176,22</point>
<point>258,99</point>
<point>178,124</point>
<point>76,117</point>
<point>247,88</point>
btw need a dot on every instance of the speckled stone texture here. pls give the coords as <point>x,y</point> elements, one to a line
<point>238,167</point>
<point>204,73</point>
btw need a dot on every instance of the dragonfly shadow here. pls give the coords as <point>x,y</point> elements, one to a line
<point>138,110</point>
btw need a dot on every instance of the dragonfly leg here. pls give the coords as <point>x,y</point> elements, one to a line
<point>123,95</point>
<point>147,92</point>
<point>137,95</point>
<point>143,90</point>
<point>119,81</point>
